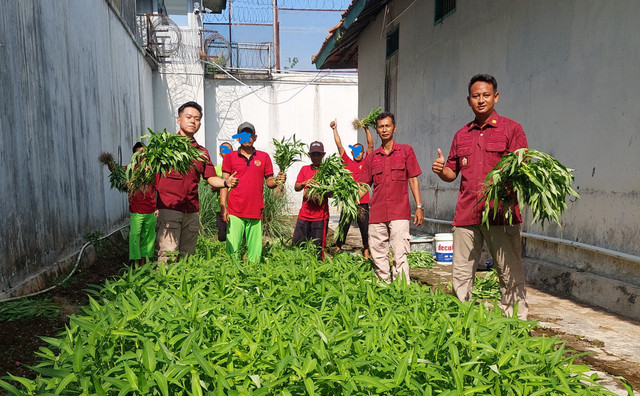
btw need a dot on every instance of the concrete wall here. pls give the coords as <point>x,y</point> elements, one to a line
<point>300,104</point>
<point>74,84</point>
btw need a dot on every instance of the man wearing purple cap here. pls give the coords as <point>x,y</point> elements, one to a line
<point>313,217</point>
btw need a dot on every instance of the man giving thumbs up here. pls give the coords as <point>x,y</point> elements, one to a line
<point>475,150</point>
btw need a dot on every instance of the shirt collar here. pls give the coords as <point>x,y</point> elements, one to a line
<point>380,150</point>
<point>493,122</point>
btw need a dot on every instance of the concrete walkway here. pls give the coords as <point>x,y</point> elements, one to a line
<point>613,341</point>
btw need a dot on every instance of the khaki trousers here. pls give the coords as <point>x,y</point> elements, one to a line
<point>177,232</point>
<point>504,243</point>
<point>394,234</point>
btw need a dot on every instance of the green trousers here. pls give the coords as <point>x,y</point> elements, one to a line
<point>251,229</point>
<point>142,235</point>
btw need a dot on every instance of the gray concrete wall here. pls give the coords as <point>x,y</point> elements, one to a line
<point>74,84</point>
<point>566,71</point>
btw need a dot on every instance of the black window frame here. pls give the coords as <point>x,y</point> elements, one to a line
<point>442,9</point>
<point>393,41</point>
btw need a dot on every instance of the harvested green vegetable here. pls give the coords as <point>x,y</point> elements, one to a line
<point>539,180</point>
<point>369,121</point>
<point>165,152</point>
<point>117,177</point>
<point>288,151</point>
<point>421,259</point>
<point>334,180</point>
<point>28,308</point>
<point>487,287</point>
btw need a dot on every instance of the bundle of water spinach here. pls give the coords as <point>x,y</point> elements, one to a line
<point>164,152</point>
<point>371,120</point>
<point>538,179</point>
<point>288,151</point>
<point>333,180</point>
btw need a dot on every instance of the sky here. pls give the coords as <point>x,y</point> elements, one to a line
<point>301,32</point>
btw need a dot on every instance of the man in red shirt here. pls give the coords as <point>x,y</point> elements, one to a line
<point>313,217</point>
<point>355,167</point>
<point>178,205</point>
<point>390,170</point>
<point>242,206</point>
<point>476,148</point>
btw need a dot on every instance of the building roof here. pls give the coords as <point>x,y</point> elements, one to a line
<point>340,48</point>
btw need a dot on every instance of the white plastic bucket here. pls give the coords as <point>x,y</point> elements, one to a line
<point>444,248</point>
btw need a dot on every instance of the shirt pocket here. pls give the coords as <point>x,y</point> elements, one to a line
<point>174,175</point>
<point>376,172</point>
<point>465,156</point>
<point>398,171</point>
<point>497,143</point>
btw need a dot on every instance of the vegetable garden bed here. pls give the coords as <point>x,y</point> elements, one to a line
<point>291,326</point>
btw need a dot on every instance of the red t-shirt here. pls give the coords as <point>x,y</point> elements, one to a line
<point>180,192</point>
<point>310,209</point>
<point>389,176</point>
<point>246,200</point>
<point>143,202</point>
<point>474,152</point>
<point>355,167</point>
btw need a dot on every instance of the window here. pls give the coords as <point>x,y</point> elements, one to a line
<point>393,41</point>
<point>444,8</point>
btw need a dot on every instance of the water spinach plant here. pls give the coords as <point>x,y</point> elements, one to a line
<point>369,121</point>
<point>164,152</point>
<point>421,259</point>
<point>333,180</point>
<point>288,151</point>
<point>118,175</point>
<point>293,325</point>
<point>538,179</point>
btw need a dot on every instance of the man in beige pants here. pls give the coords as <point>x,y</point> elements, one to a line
<point>475,150</point>
<point>390,170</point>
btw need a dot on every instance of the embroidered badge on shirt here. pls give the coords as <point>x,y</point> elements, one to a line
<point>464,161</point>
<point>257,163</point>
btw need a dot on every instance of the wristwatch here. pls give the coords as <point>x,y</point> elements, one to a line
<point>225,183</point>
<point>419,207</point>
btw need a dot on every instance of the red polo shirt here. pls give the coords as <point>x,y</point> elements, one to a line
<point>355,167</point>
<point>390,177</point>
<point>310,209</point>
<point>246,200</point>
<point>474,152</point>
<point>180,192</point>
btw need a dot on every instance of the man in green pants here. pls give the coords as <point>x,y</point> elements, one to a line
<point>242,206</point>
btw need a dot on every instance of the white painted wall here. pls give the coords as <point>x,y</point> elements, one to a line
<point>567,71</point>
<point>74,84</point>
<point>302,104</point>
